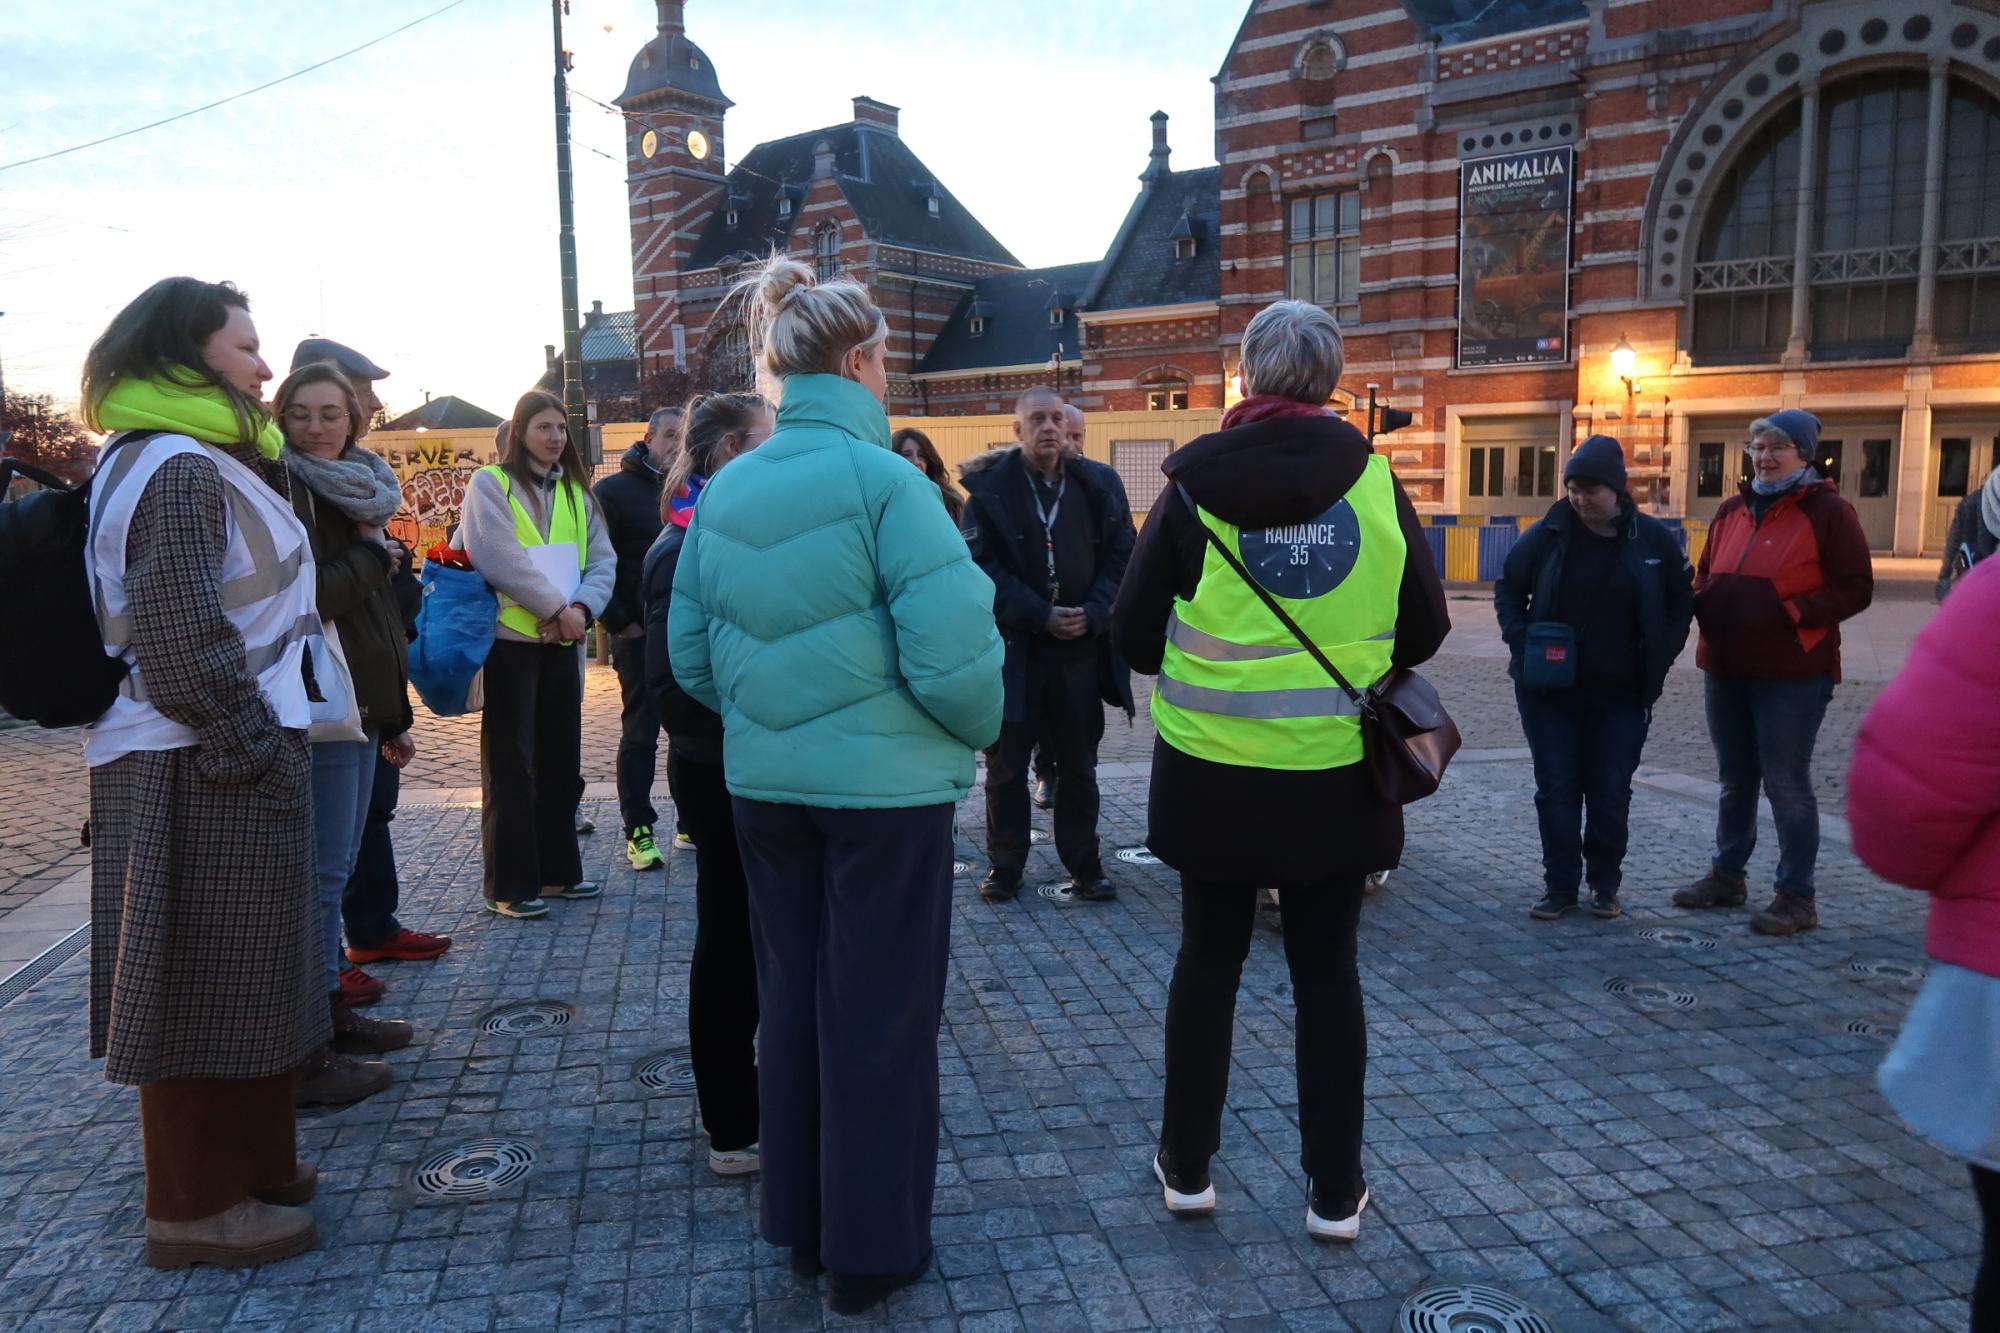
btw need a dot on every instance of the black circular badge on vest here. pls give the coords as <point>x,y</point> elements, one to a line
<point>1307,559</point>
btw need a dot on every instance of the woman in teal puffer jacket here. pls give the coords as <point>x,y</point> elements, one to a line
<point>826,607</point>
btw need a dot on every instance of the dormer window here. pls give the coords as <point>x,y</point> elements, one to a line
<point>1184,248</point>
<point>1056,318</point>
<point>730,217</point>
<point>932,202</point>
<point>976,325</point>
<point>784,206</point>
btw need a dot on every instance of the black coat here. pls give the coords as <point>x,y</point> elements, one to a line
<point>1266,827</point>
<point>1529,583</point>
<point>693,729</point>
<point>356,591</point>
<point>1003,529</point>
<point>630,498</point>
<point>1969,542</point>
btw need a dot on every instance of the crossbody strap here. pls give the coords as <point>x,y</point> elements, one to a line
<point>1361,701</point>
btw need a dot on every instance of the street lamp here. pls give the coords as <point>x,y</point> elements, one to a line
<point>566,245</point>
<point>1623,361</point>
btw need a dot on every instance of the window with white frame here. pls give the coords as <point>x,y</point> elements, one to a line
<point>1167,395</point>
<point>1323,252</point>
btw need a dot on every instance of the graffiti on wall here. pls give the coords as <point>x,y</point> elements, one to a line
<point>434,476</point>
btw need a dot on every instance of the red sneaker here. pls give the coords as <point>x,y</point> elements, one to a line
<point>410,946</point>
<point>357,987</point>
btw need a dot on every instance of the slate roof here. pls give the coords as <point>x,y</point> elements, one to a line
<point>670,62</point>
<point>607,336</point>
<point>886,184</point>
<point>446,413</point>
<point>1454,21</point>
<point>1016,309</point>
<point>1142,267</point>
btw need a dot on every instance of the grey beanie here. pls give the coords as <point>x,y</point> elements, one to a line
<point>1600,459</point>
<point>1801,427</point>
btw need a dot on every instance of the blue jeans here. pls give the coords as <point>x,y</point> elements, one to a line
<point>1763,732</point>
<point>373,892</point>
<point>342,773</point>
<point>1586,748</point>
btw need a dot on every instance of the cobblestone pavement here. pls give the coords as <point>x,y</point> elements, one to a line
<point>1639,1133</point>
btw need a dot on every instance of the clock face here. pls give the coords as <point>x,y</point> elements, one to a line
<point>649,143</point>
<point>1304,560</point>
<point>697,145</point>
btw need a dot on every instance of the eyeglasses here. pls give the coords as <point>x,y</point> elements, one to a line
<point>1752,447</point>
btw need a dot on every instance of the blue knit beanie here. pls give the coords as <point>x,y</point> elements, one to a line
<point>1801,426</point>
<point>1600,459</point>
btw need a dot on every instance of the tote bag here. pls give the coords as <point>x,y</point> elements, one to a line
<point>335,714</point>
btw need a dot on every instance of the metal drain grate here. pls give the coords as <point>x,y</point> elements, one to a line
<point>1058,892</point>
<point>1679,939</point>
<point>48,960</point>
<point>1651,994</point>
<point>1881,1032</point>
<point>670,1073</point>
<point>532,1018</point>
<point>473,1170</point>
<point>1137,856</point>
<point>1463,1308</point>
<point>1910,974</point>
<point>1036,835</point>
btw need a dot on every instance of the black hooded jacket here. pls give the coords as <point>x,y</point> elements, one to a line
<point>630,498</point>
<point>1260,826</point>
<point>693,729</point>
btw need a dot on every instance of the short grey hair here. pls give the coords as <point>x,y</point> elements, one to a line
<point>1293,349</point>
<point>1763,426</point>
<point>661,414</point>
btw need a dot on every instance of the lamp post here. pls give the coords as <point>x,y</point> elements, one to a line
<point>579,430</point>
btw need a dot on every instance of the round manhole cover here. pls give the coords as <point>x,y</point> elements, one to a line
<point>1036,835</point>
<point>1463,1308</point>
<point>669,1072</point>
<point>961,867</point>
<point>1881,1032</point>
<point>533,1018</point>
<point>1910,974</point>
<point>1675,938</point>
<point>1058,892</point>
<point>473,1170</point>
<point>1651,994</point>
<point>1137,856</point>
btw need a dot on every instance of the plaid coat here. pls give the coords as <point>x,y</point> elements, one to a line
<point>206,959</point>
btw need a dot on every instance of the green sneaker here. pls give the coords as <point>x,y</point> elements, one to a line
<point>683,840</point>
<point>525,909</point>
<point>587,889</point>
<point>640,849</point>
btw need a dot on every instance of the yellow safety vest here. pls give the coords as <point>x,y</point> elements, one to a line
<point>567,523</point>
<point>1235,687</point>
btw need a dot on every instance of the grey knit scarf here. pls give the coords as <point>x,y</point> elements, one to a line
<point>358,483</point>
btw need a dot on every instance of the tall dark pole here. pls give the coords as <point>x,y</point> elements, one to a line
<point>579,429</point>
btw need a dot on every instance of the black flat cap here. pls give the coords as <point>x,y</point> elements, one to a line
<point>350,361</point>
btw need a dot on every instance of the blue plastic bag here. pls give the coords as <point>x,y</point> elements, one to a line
<point>454,633</point>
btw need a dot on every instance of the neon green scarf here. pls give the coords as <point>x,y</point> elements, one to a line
<point>199,410</point>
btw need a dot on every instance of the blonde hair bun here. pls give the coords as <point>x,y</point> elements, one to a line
<point>779,282</point>
<point>801,326</point>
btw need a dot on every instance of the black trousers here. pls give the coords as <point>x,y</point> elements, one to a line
<point>638,735</point>
<point>530,769</point>
<point>722,983</point>
<point>1063,712</point>
<point>1331,1039</point>
<point>850,915</point>
<point>368,904</point>
<point>1986,1286</point>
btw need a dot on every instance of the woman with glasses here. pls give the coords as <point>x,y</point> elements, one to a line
<point>1786,562</point>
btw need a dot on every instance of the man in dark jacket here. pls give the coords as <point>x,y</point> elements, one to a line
<point>1615,592</point>
<point>630,498</point>
<point>1054,537</point>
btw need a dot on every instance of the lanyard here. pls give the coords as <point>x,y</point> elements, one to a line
<point>1048,517</point>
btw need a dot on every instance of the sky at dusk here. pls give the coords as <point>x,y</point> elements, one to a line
<point>403,200</point>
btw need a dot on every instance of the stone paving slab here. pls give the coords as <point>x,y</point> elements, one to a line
<point>1619,1159</point>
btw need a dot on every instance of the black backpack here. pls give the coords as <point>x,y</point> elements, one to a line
<point>56,672</point>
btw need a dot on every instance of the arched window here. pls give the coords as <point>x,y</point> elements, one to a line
<point>1870,215</point>
<point>1968,299</point>
<point>1743,273</point>
<point>826,251</point>
<point>1321,62</point>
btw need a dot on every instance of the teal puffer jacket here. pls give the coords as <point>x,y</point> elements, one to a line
<point>828,609</point>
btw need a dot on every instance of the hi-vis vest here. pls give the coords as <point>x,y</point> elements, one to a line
<point>567,523</point>
<point>1235,687</point>
<point>268,593</point>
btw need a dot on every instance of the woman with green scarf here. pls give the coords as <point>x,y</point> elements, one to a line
<point>205,964</point>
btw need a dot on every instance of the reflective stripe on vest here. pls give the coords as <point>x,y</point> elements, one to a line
<point>567,523</point>
<point>1235,687</point>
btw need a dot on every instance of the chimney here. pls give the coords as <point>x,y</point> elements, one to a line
<point>597,310</point>
<point>877,115</point>
<point>672,22</point>
<point>822,160</point>
<point>1156,164</point>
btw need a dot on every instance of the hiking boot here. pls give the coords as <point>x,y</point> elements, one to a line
<point>585,824</point>
<point>357,987</point>
<point>250,1233</point>
<point>355,1035</point>
<point>1550,907</point>
<point>1094,890</point>
<point>329,1078</point>
<point>294,1192</point>
<point>854,1293</point>
<point>587,889</point>
<point>1788,914</point>
<point>1714,889</point>
<point>640,849</point>
<point>1189,1193</point>
<point>999,888</point>
<point>1045,793</point>
<point>409,946</point>
<point>1329,1218</point>
<point>684,842</point>
<point>525,910</point>
<point>1604,903</point>
<point>737,1162</point>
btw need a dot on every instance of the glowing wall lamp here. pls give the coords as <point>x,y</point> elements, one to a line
<point>1623,361</point>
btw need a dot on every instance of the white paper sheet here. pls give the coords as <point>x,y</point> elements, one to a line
<point>556,562</point>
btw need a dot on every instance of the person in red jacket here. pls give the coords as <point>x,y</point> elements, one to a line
<point>1786,562</point>
<point>1926,813</point>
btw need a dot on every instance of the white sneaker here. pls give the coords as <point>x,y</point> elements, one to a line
<point>742,1162</point>
<point>1183,1200</point>
<point>1346,1228</point>
<point>1374,883</point>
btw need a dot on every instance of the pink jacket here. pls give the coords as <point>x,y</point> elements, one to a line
<point>1924,792</point>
